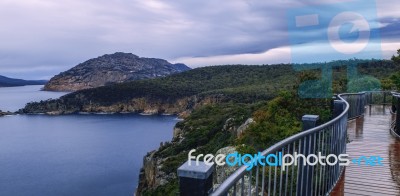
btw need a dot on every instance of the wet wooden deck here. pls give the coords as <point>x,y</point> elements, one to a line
<point>370,136</point>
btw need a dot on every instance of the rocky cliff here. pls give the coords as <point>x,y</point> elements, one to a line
<point>143,105</point>
<point>153,173</point>
<point>112,68</point>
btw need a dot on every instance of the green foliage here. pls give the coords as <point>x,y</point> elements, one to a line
<point>365,83</point>
<point>203,131</point>
<point>237,83</point>
<point>387,84</point>
<point>207,80</point>
<point>246,149</point>
<point>395,80</point>
<point>396,59</point>
<point>281,119</point>
<point>171,188</point>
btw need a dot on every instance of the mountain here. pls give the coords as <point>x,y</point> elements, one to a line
<point>175,93</point>
<point>9,82</point>
<point>181,93</point>
<point>112,68</point>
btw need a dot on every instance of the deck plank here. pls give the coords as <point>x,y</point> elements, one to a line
<point>370,136</point>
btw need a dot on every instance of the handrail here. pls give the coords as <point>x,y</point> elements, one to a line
<point>330,138</point>
<point>395,125</point>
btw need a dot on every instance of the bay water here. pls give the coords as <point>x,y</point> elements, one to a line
<point>73,154</point>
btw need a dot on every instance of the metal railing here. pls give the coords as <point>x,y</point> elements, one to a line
<point>357,102</point>
<point>329,138</point>
<point>378,98</point>
<point>395,126</point>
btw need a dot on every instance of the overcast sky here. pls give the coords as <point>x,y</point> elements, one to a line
<point>40,38</point>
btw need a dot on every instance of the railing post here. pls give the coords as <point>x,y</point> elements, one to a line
<point>338,107</point>
<point>397,128</point>
<point>309,121</point>
<point>306,172</point>
<point>384,97</point>
<point>371,97</point>
<point>334,97</point>
<point>195,179</point>
<point>362,104</point>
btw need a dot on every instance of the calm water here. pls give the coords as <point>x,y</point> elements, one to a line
<point>15,98</point>
<point>74,154</point>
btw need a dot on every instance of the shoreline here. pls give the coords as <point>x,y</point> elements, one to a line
<point>96,113</point>
<point>8,113</point>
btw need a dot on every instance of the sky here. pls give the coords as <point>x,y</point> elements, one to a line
<point>40,38</point>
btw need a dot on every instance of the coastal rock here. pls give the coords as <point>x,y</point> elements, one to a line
<point>151,175</point>
<point>145,106</point>
<point>222,172</point>
<point>229,125</point>
<point>177,132</point>
<point>110,69</point>
<point>149,168</point>
<point>244,126</point>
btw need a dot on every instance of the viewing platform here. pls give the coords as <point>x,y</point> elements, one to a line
<point>370,135</point>
<point>364,125</point>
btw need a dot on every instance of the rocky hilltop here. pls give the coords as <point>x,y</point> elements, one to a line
<point>112,68</point>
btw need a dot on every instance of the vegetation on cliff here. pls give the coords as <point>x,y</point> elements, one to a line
<point>392,82</point>
<point>212,127</point>
<point>237,83</point>
<point>184,91</point>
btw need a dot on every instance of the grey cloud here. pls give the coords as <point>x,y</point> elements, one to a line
<point>40,38</point>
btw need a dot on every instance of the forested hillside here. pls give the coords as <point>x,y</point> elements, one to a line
<point>184,91</point>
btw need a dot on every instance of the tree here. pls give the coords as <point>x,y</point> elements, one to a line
<point>387,84</point>
<point>396,59</point>
<point>395,79</point>
<point>365,83</point>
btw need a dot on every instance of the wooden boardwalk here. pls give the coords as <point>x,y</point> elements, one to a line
<point>370,136</point>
